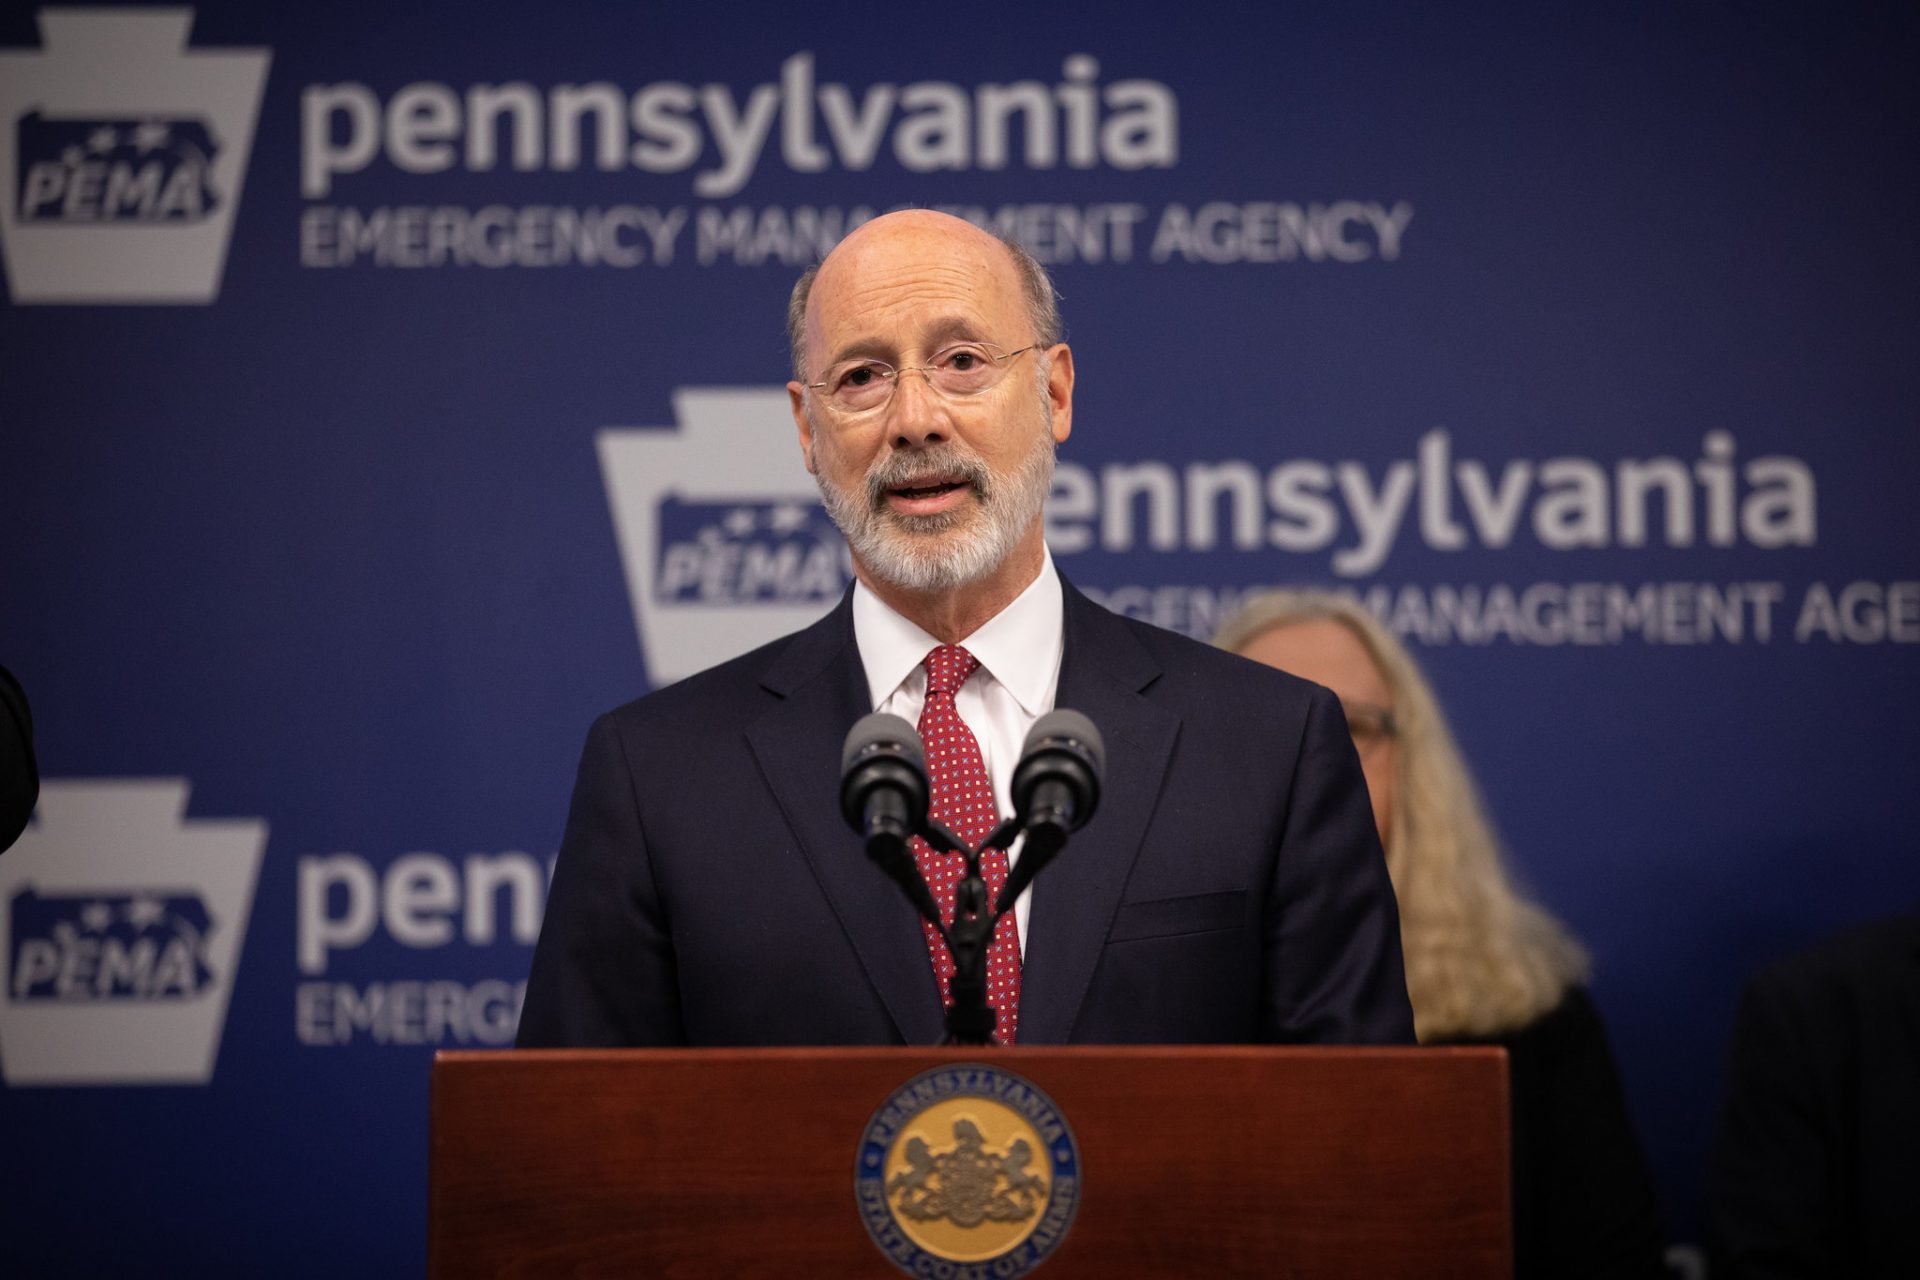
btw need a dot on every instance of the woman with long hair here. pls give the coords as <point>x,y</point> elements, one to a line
<point>1484,964</point>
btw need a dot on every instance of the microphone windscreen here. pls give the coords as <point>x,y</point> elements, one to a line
<point>1072,726</point>
<point>882,729</point>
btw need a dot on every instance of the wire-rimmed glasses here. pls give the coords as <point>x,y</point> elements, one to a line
<point>964,369</point>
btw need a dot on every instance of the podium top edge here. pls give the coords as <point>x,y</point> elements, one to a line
<point>907,1055</point>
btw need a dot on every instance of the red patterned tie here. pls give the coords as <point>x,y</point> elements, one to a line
<point>963,800</point>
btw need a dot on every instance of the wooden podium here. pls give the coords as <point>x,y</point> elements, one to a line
<point>1215,1161</point>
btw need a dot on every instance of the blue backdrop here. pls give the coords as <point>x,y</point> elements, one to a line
<point>385,392</point>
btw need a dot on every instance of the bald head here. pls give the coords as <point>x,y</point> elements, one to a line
<point>941,241</point>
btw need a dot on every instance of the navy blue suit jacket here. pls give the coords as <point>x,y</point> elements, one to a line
<point>1230,888</point>
<point>1813,1170</point>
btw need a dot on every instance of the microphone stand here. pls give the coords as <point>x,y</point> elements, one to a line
<point>970,1019</point>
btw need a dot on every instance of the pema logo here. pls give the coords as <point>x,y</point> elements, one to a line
<point>121,934</point>
<point>109,946</point>
<point>721,531</point>
<point>748,552</point>
<point>83,170</point>
<point>122,155</point>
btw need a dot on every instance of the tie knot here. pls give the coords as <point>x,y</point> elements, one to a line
<point>948,667</point>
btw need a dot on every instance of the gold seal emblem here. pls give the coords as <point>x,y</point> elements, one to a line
<point>970,1164</point>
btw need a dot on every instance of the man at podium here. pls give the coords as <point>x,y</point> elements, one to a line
<point>1230,887</point>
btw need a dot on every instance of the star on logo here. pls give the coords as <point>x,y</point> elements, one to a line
<point>73,157</point>
<point>144,911</point>
<point>102,139</point>
<point>96,916</point>
<point>738,522</point>
<point>151,135</point>
<point>789,517</point>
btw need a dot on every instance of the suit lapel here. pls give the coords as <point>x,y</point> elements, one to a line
<point>1102,673</point>
<point>822,689</point>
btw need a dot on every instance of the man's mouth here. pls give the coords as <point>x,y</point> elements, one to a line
<point>927,488</point>
<point>928,495</point>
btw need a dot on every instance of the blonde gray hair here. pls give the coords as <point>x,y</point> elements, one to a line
<point>1481,959</point>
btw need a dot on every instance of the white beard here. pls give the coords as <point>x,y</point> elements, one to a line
<point>953,548</point>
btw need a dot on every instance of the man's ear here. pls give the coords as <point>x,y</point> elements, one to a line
<point>1060,391</point>
<point>797,399</point>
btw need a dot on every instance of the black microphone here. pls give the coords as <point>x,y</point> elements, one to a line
<point>1056,787</point>
<point>884,797</point>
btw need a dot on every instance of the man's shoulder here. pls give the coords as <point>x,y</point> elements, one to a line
<point>738,689</point>
<point>1829,1001</point>
<point>1198,666</point>
<point>1881,952</point>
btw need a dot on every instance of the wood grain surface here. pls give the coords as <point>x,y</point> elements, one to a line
<point>1228,1161</point>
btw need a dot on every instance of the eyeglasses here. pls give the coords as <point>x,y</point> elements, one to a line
<point>957,372</point>
<point>1369,724</point>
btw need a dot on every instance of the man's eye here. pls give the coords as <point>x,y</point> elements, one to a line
<point>964,360</point>
<point>859,376</point>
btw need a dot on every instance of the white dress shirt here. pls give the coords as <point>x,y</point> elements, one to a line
<point>1019,653</point>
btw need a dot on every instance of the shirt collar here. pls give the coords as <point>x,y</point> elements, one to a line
<point>1019,646</point>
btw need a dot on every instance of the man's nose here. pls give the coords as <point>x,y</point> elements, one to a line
<point>918,412</point>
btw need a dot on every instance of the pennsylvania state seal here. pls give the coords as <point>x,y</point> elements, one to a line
<point>967,1172</point>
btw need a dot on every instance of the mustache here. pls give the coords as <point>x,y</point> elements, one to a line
<point>934,464</point>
